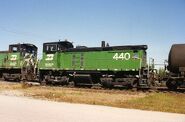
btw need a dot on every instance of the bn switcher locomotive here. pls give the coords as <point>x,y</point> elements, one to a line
<point>108,66</point>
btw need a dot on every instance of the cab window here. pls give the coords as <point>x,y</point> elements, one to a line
<point>14,48</point>
<point>50,48</point>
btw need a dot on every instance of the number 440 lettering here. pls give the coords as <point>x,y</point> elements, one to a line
<point>121,56</point>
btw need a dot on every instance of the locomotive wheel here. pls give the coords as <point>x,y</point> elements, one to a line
<point>76,84</point>
<point>172,85</point>
<point>104,85</point>
<point>107,83</point>
<point>134,84</point>
<point>65,81</point>
<point>5,79</point>
<point>17,80</point>
<point>43,82</point>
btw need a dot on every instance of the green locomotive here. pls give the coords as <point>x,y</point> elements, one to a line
<point>19,62</point>
<point>108,66</point>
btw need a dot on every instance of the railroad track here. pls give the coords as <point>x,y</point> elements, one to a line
<point>98,88</point>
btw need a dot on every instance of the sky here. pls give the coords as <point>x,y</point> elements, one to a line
<point>156,23</point>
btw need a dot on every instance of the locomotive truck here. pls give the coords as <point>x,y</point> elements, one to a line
<point>105,65</point>
<point>19,62</point>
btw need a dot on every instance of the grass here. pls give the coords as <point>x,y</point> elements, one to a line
<point>9,86</point>
<point>87,96</point>
<point>165,102</point>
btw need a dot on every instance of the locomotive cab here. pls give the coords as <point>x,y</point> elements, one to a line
<point>49,65</point>
<point>54,47</point>
<point>23,49</point>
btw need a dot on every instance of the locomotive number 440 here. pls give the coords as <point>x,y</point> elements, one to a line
<point>121,56</point>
